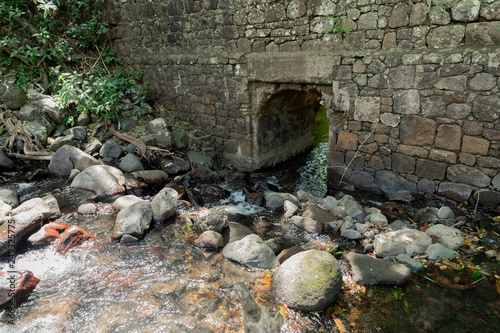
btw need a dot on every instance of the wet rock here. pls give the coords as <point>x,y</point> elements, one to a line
<point>125,201</point>
<point>179,188</point>
<point>203,175</point>
<point>426,215</point>
<point>415,266</point>
<point>351,235</point>
<point>5,162</point>
<point>130,163</point>
<point>195,198</point>
<point>290,209</point>
<point>164,205</point>
<point>105,181</point>
<point>235,232</point>
<point>23,281</point>
<point>215,220</point>
<point>378,219</point>
<point>400,225</point>
<point>439,251</point>
<point>73,236</point>
<point>87,209</point>
<point>275,245</point>
<point>287,253</point>
<point>47,234</point>
<point>251,251</point>
<point>307,224</point>
<point>51,201</point>
<point>318,213</point>
<point>112,150</point>
<point>14,97</point>
<point>367,271</point>
<point>151,177</point>
<point>128,240</point>
<point>36,205</point>
<point>209,240</point>
<point>61,142</point>
<point>265,186</point>
<point>255,198</point>
<point>256,319</point>
<point>448,236</point>
<point>200,158</point>
<point>393,243</point>
<point>402,196</point>
<point>68,158</point>
<point>308,281</point>
<point>175,166</point>
<point>133,220</point>
<point>9,196</point>
<point>213,193</point>
<point>275,200</point>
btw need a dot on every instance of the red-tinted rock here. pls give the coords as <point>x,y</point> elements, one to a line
<point>151,177</point>
<point>15,287</point>
<point>195,198</point>
<point>73,236</point>
<point>202,175</point>
<point>44,236</point>
<point>213,193</point>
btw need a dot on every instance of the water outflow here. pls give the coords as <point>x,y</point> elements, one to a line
<point>308,171</point>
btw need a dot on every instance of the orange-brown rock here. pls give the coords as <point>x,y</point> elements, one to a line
<point>72,237</point>
<point>48,233</point>
<point>16,287</point>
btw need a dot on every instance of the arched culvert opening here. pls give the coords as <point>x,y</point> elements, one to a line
<point>284,124</point>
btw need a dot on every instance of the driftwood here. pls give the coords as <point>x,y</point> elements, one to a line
<point>125,137</point>
<point>19,132</point>
<point>31,157</point>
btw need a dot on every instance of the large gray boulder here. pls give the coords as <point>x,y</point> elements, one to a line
<point>368,271</point>
<point>251,251</point>
<point>38,130</point>
<point>234,232</point>
<point>395,242</point>
<point>215,220</point>
<point>103,180</point>
<point>68,158</point>
<point>448,236</point>
<point>164,205</point>
<point>111,149</point>
<point>308,281</point>
<point>209,240</point>
<point>133,220</point>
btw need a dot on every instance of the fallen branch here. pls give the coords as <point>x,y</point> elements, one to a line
<point>136,142</point>
<point>31,157</point>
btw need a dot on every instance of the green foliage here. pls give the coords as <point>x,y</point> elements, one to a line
<point>397,294</point>
<point>336,20</point>
<point>53,43</point>
<point>99,93</point>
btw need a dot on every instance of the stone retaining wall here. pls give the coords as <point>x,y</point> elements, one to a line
<point>415,84</point>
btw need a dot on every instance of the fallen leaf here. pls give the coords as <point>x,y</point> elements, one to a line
<point>339,324</point>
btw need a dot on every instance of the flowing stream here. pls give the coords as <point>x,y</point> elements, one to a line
<point>165,284</point>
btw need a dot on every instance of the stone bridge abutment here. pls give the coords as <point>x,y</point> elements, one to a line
<point>412,87</point>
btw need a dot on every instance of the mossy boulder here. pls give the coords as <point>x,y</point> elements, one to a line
<point>308,281</point>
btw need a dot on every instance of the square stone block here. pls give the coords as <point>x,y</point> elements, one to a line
<point>347,141</point>
<point>448,137</point>
<point>475,145</point>
<point>367,109</point>
<point>417,131</point>
<point>430,169</point>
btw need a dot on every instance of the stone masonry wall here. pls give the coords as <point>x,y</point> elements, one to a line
<point>422,74</point>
